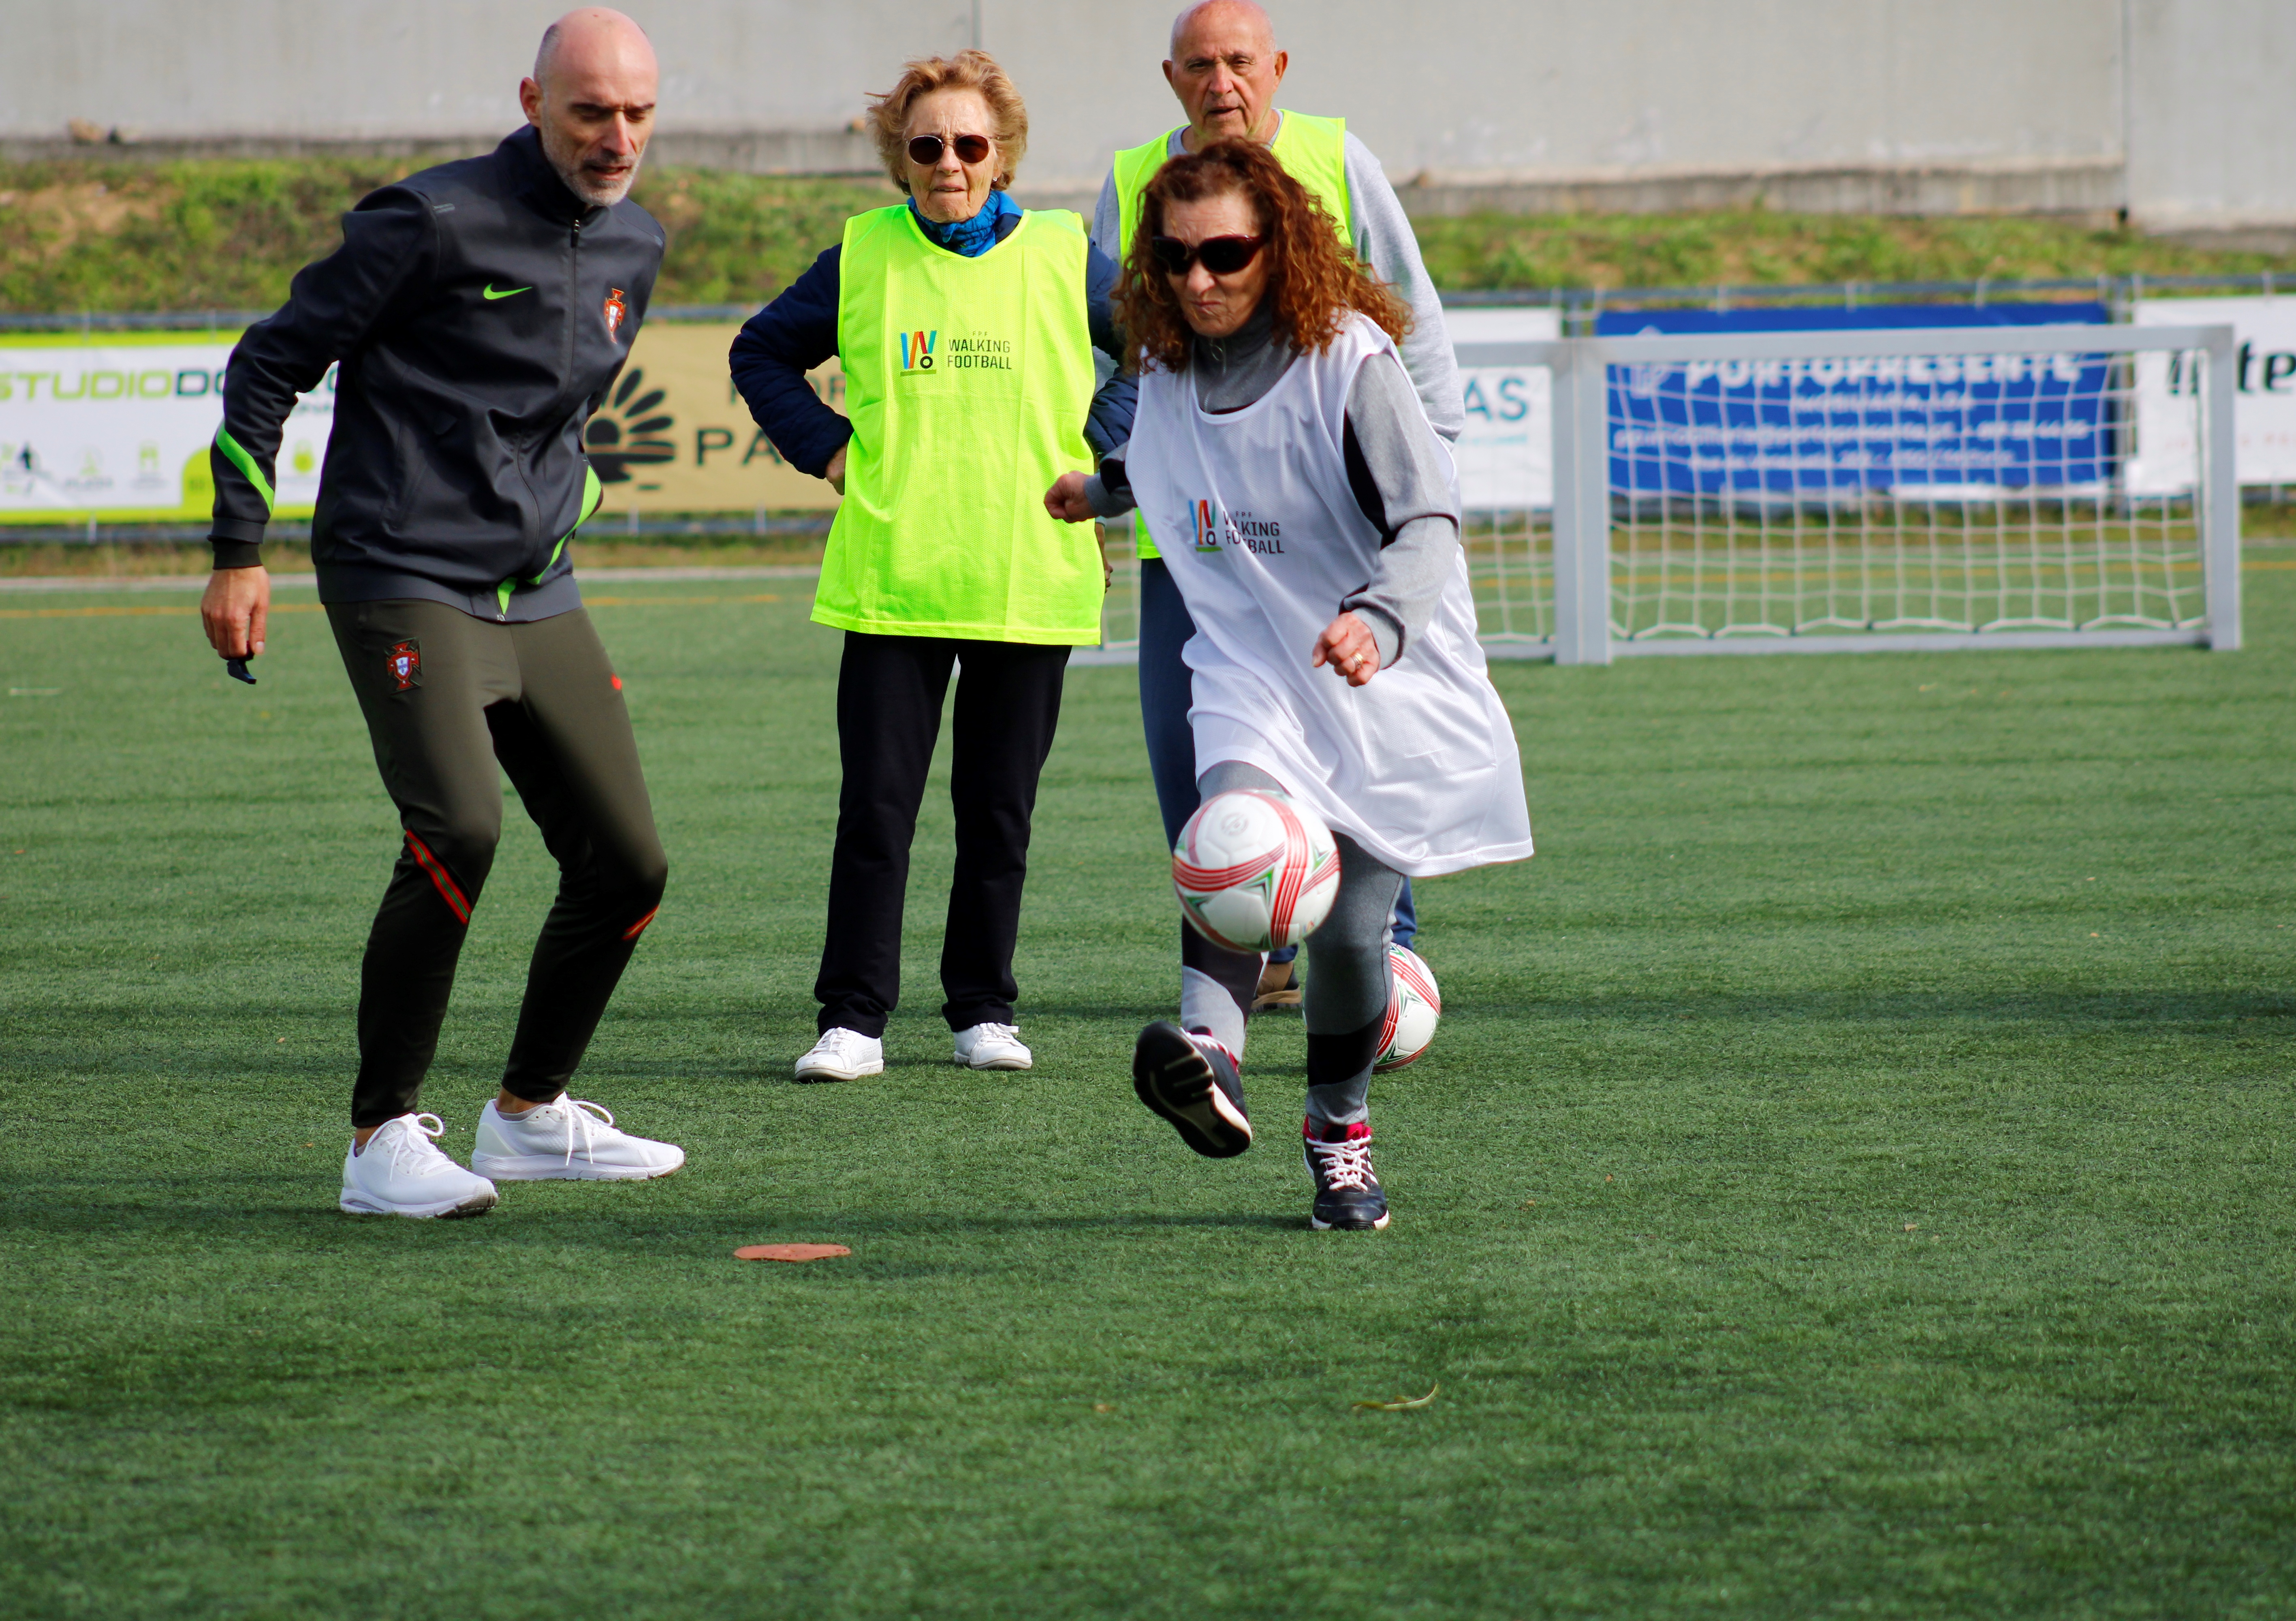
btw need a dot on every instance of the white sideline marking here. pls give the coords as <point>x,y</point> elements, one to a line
<point>198,582</point>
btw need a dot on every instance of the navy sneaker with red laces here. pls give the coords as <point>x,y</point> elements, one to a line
<point>1195,1084</point>
<point>1348,1194</point>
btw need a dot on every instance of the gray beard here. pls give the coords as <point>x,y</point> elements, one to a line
<point>569,170</point>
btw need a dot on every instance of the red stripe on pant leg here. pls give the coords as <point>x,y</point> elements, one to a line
<point>440,878</point>
<point>638,928</point>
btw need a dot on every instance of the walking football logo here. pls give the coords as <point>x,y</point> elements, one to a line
<point>1208,527</point>
<point>917,350</point>
<point>630,432</point>
<point>1215,527</point>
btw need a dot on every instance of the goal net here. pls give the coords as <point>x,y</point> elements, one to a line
<point>1934,487</point>
<point>1825,489</point>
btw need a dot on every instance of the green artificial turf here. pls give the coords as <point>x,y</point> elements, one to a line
<point>1853,1177</point>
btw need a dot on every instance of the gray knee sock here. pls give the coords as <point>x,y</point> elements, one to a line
<point>1349,987</point>
<point>1215,985</point>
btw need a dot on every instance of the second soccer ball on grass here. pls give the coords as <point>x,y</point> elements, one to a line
<point>1255,871</point>
<point>1414,1006</point>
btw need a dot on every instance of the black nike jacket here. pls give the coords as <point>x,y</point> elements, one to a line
<point>479,311</point>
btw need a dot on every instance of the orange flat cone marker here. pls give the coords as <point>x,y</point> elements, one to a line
<point>790,1251</point>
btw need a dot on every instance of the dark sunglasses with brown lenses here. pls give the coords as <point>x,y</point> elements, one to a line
<point>924,150</point>
<point>1222,255</point>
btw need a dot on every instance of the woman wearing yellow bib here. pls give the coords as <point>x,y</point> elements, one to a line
<point>966,329</point>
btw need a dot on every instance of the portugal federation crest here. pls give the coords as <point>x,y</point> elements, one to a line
<point>405,663</point>
<point>614,312</point>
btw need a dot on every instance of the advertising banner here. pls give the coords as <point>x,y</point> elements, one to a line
<point>675,437</point>
<point>117,427</point>
<point>119,430</point>
<point>2264,394</point>
<point>1507,454</point>
<point>1938,427</point>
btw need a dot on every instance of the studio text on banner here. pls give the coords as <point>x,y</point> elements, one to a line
<point>116,427</point>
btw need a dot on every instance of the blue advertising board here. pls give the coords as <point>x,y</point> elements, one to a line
<point>1933,425</point>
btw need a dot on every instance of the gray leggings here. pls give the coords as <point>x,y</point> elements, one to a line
<point>1347,974</point>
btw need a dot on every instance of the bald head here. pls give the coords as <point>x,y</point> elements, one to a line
<point>1224,18</point>
<point>583,38</point>
<point>592,97</point>
<point>1225,68</point>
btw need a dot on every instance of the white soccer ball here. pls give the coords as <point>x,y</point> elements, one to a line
<point>1255,871</point>
<point>1413,1008</point>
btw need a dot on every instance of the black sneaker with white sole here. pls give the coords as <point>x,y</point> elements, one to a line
<point>1193,1082</point>
<point>1348,1194</point>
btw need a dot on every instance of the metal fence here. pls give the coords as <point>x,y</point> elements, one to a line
<point>1715,523</point>
<point>1579,306</point>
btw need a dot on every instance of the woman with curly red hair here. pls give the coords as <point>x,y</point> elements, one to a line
<point>1276,426</point>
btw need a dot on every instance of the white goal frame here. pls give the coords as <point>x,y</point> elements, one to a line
<point>1586,563</point>
<point>1547,581</point>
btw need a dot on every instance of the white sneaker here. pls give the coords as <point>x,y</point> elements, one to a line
<point>992,1047</point>
<point>571,1140</point>
<point>842,1055</point>
<point>402,1172</point>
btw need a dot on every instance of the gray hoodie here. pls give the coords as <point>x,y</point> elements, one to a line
<point>1383,241</point>
<point>1400,476</point>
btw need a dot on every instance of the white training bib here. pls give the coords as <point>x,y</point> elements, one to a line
<point>1263,537</point>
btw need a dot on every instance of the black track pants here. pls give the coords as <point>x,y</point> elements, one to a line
<point>446,698</point>
<point>890,691</point>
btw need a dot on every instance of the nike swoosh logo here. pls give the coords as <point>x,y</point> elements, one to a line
<point>504,293</point>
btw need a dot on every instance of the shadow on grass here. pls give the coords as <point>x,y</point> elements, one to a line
<point>46,1043</point>
<point>2116,1006</point>
<point>185,1213</point>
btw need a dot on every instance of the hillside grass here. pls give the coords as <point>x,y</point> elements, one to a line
<point>229,234</point>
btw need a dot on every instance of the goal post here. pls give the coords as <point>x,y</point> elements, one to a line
<point>1863,491</point>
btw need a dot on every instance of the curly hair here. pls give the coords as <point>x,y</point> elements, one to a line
<point>889,114</point>
<point>1314,277</point>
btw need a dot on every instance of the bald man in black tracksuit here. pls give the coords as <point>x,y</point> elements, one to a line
<point>479,311</point>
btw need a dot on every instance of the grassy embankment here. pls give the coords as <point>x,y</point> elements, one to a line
<point>227,235</point>
<point>106,237</point>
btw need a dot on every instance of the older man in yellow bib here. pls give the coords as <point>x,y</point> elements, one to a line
<point>1226,69</point>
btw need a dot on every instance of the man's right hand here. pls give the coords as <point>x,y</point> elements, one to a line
<point>234,609</point>
<point>835,471</point>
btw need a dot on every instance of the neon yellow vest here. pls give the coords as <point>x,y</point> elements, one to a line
<point>968,381</point>
<point>1313,151</point>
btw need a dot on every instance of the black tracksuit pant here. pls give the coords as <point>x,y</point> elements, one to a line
<point>889,692</point>
<point>447,696</point>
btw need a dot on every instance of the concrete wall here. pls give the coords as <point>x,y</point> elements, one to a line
<point>1976,103</point>
<point>2213,112</point>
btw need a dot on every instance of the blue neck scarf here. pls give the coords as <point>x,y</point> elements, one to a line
<point>969,237</point>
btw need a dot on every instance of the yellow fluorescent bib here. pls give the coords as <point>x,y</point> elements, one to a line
<point>1313,151</point>
<point>968,381</point>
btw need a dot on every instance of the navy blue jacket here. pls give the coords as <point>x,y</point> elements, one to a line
<point>798,330</point>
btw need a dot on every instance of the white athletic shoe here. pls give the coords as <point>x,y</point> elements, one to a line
<point>842,1055</point>
<point>571,1140</point>
<point>402,1172</point>
<point>992,1047</point>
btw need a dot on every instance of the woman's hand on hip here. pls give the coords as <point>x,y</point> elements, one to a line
<point>1347,646</point>
<point>1065,499</point>
<point>835,471</point>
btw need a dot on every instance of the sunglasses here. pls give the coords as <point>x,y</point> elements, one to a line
<point>1222,255</point>
<point>925,151</point>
